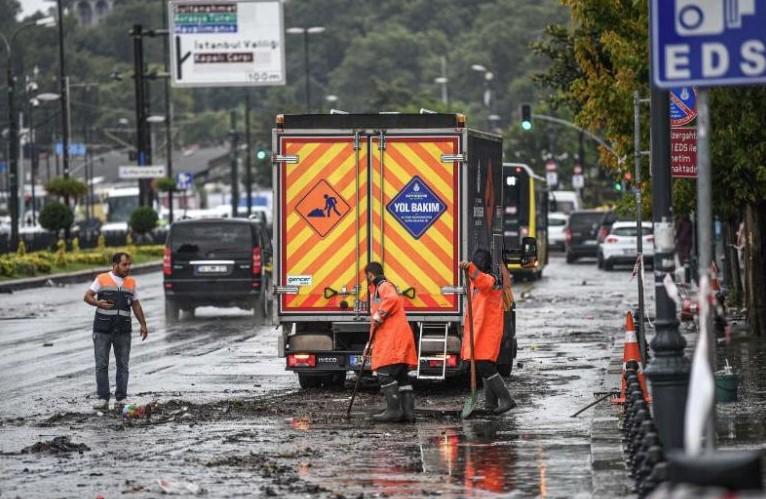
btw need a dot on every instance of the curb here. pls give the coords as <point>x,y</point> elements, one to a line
<point>609,474</point>
<point>71,277</point>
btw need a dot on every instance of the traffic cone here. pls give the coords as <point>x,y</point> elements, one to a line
<point>631,352</point>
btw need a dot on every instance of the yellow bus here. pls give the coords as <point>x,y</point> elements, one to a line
<point>525,214</point>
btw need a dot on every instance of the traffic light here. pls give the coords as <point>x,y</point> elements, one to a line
<point>262,154</point>
<point>526,117</point>
<point>618,185</point>
<point>627,181</point>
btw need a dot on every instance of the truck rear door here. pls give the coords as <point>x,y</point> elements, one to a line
<point>322,189</point>
<point>416,217</point>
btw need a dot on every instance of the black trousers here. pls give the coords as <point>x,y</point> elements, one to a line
<point>486,368</point>
<point>394,372</point>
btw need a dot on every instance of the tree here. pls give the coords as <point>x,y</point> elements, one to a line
<point>608,41</point>
<point>143,220</point>
<point>66,187</point>
<point>56,217</point>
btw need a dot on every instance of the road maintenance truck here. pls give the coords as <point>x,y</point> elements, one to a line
<point>416,192</point>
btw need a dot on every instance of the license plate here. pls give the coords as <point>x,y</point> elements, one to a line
<point>211,268</point>
<point>590,243</point>
<point>628,252</point>
<point>355,361</point>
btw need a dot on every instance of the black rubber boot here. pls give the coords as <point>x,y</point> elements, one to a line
<point>393,412</point>
<point>407,396</point>
<point>490,399</point>
<point>504,401</point>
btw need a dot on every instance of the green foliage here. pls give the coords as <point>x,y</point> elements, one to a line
<point>67,187</point>
<point>165,184</point>
<point>143,220</point>
<point>56,216</point>
<point>45,262</point>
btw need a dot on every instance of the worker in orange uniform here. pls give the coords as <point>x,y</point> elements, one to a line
<point>393,347</point>
<point>487,301</point>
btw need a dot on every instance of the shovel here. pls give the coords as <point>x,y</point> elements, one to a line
<point>365,353</point>
<point>470,403</point>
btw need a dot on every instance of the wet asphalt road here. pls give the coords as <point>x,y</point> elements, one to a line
<point>230,421</point>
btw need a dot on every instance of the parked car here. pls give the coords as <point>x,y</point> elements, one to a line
<point>217,262</point>
<point>619,246</point>
<point>556,224</point>
<point>581,234</point>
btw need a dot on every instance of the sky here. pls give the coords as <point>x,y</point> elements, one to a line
<point>31,6</point>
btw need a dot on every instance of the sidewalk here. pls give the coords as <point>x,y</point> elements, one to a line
<point>71,277</point>
<point>739,425</point>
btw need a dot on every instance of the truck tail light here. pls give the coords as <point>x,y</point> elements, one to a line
<point>301,360</point>
<point>257,261</point>
<point>167,262</point>
<point>602,233</point>
<point>611,240</point>
<point>451,361</point>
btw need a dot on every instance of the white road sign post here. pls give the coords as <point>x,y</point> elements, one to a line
<point>226,43</point>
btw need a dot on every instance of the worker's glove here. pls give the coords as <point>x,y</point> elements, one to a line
<point>377,318</point>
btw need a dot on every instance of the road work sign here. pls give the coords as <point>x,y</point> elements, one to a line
<point>149,171</point>
<point>708,42</point>
<point>226,43</point>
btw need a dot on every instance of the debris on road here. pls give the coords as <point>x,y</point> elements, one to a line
<point>57,446</point>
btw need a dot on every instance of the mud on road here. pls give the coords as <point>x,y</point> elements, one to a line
<point>287,442</point>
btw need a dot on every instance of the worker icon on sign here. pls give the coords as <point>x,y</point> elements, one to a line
<point>330,204</point>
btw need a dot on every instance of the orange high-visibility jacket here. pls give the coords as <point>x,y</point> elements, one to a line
<point>487,301</point>
<point>393,342</point>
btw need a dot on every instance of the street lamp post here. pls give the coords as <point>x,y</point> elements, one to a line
<point>314,30</point>
<point>669,369</point>
<point>63,90</point>
<point>332,100</point>
<point>487,97</point>
<point>13,131</point>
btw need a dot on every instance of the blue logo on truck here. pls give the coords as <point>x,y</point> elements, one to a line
<point>416,207</point>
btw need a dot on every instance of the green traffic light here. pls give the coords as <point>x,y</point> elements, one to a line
<point>618,186</point>
<point>526,125</point>
<point>261,154</point>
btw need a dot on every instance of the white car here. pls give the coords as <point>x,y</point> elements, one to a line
<point>556,236</point>
<point>619,246</point>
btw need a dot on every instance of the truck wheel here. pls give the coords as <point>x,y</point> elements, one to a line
<point>505,369</point>
<point>608,265</point>
<point>309,381</point>
<point>189,313</point>
<point>600,260</point>
<point>171,311</point>
<point>571,258</point>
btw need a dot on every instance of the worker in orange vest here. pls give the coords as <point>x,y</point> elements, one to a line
<point>487,301</point>
<point>393,347</point>
<point>114,295</point>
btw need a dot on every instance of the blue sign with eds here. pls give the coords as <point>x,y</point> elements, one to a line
<point>416,207</point>
<point>708,42</point>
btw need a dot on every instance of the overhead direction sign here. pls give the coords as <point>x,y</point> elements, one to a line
<point>708,42</point>
<point>149,171</point>
<point>226,43</point>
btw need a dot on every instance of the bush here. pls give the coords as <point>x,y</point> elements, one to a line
<point>143,220</point>
<point>165,184</point>
<point>56,217</point>
<point>67,187</point>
